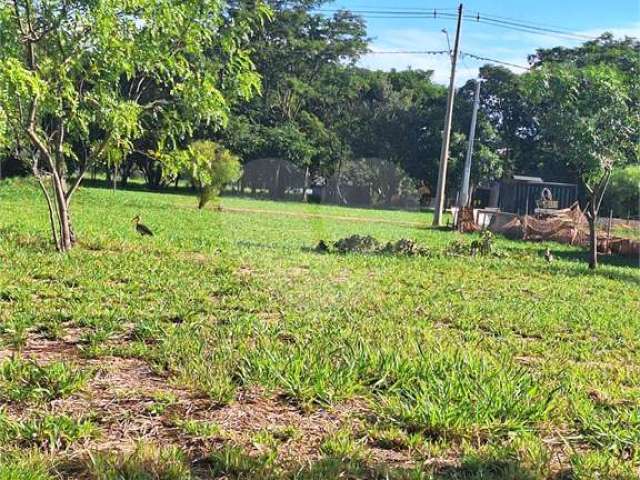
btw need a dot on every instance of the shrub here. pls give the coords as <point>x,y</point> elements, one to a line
<point>623,194</point>
<point>211,167</point>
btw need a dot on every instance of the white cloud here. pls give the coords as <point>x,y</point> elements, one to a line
<point>508,46</point>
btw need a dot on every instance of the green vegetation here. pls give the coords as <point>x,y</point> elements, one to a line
<point>26,380</point>
<point>145,462</point>
<point>622,194</point>
<point>210,167</point>
<point>463,366</point>
<point>81,81</point>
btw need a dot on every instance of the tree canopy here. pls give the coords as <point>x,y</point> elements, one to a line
<point>83,80</point>
<point>115,82</point>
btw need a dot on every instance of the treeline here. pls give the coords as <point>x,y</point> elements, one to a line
<point>320,112</point>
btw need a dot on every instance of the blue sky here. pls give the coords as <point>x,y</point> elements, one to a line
<point>588,17</point>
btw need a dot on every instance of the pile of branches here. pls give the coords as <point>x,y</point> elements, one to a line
<point>368,244</point>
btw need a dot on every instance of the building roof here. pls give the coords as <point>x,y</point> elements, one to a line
<point>525,178</point>
<point>539,181</point>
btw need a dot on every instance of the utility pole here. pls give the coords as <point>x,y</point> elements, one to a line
<point>446,134</point>
<point>464,192</point>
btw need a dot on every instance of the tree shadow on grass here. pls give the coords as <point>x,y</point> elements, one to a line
<point>583,257</point>
<point>578,267</point>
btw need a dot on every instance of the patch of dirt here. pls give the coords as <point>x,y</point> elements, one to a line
<point>298,271</point>
<point>130,402</point>
<point>253,412</point>
<point>528,360</point>
<point>245,271</point>
<point>40,349</point>
<point>197,257</point>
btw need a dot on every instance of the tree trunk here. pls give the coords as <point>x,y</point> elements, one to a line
<point>593,237</point>
<point>275,190</point>
<point>306,184</point>
<point>66,237</point>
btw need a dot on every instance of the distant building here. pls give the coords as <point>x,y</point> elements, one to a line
<point>524,194</point>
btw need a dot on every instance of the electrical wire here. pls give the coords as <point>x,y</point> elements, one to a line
<point>506,23</point>
<point>444,52</point>
<point>478,17</point>
<point>408,52</point>
<point>493,60</point>
<point>533,30</point>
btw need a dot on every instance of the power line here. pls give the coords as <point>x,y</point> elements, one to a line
<point>407,52</point>
<point>493,60</point>
<point>442,52</point>
<point>561,31</point>
<point>478,17</point>
<point>411,9</point>
<point>394,12</point>
<point>531,22</point>
<point>533,30</point>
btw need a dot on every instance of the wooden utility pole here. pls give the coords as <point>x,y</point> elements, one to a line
<point>464,192</point>
<point>446,134</point>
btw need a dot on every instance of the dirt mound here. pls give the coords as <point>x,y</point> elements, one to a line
<point>368,244</point>
<point>357,243</point>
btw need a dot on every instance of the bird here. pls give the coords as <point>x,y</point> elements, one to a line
<point>548,256</point>
<point>141,228</point>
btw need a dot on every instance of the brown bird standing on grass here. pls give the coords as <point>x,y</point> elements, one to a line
<point>141,228</point>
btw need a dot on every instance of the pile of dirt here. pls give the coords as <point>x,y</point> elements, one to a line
<point>405,247</point>
<point>357,243</point>
<point>368,244</point>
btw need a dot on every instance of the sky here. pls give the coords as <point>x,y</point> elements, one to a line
<point>587,17</point>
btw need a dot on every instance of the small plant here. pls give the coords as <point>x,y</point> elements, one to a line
<point>286,433</point>
<point>233,462</point>
<point>147,461</point>
<point>53,330</point>
<point>457,247</point>
<point>50,432</point>
<point>199,428</point>
<point>26,380</point>
<point>342,445</point>
<point>483,245</point>
<point>24,465</point>
<point>210,167</point>
<point>161,401</point>
<point>16,334</point>
<point>391,438</point>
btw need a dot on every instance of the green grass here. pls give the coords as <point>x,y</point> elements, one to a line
<point>501,364</point>
<point>22,380</point>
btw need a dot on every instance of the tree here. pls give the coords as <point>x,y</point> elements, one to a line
<point>299,55</point>
<point>81,80</point>
<point>210,167</point>
<point>586,117</point>
<point>506,107</point>
<point>623,194</point>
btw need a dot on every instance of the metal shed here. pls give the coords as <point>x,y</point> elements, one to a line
<point>521,194</point>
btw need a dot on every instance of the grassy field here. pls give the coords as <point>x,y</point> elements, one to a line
<point>226,347</point>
